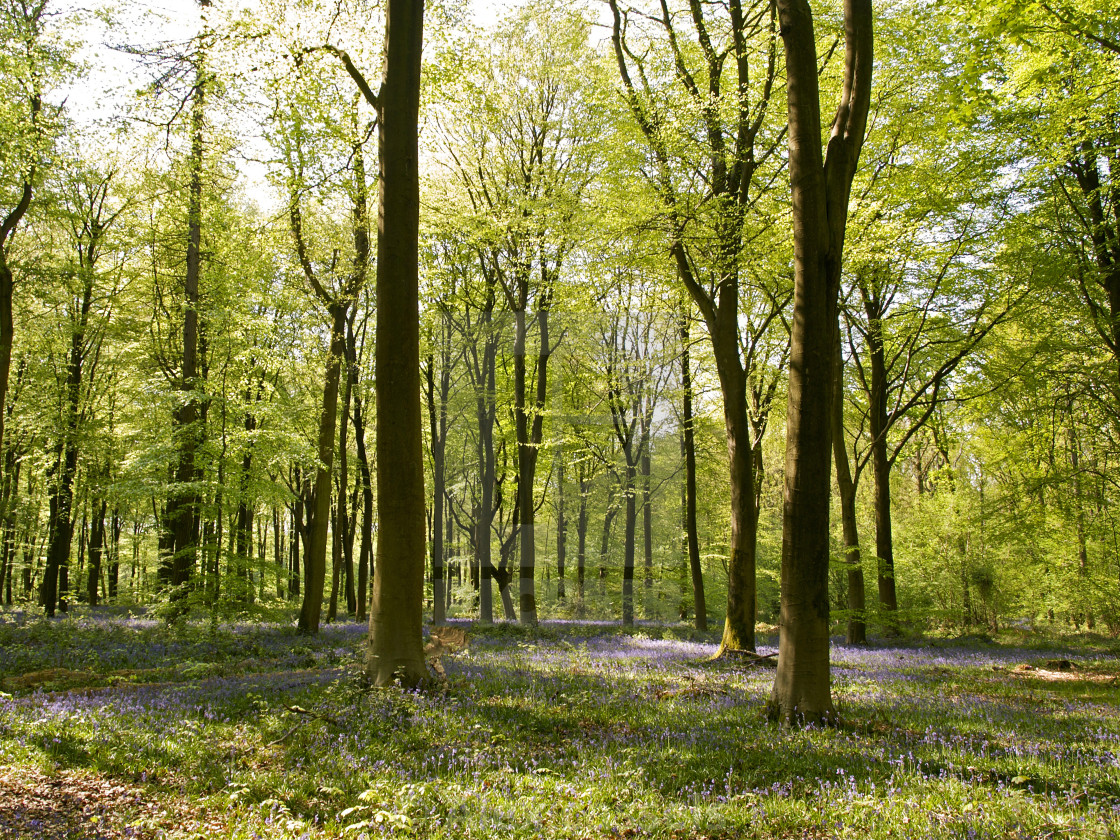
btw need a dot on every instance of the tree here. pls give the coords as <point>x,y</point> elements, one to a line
<point>821,188</point>
<point>90,215</point>
<point>523,157</point>
<point>338,301</point>
<point>396,612</point>
<point>31,64</point>
<point>724,81</point>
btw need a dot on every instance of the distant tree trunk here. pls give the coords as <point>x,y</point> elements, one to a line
<point>645,466</point>
<point>96,550</point>
<point>243,528</point>
<point>581,534</point>
<point>485,410</point>
<point>396,650</point>
<point>604,545</point>
<point>561,526</point>
<point>315,562</point>
<point>336,560</point>
<point>529,429</point>
<point>365,551</point>
<point>629,548</point>
<point>846,483</point>
<point>688,446</point>
<point>115,526</point>
<point>437,425</point>
<point>821,188</point>
<point>278,557</point>
<point>64,468</point>
<point>881,466</point>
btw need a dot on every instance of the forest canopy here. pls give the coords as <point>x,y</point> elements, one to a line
<point>606,277</point>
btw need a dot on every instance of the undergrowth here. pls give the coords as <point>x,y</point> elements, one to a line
<point>570,731</point>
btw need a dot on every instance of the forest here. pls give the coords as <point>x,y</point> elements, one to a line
<point>670,418</point>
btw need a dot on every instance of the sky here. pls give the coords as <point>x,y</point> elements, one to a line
<point>104,94</point>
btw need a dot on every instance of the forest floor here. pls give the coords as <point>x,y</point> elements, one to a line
<point>128,728</point>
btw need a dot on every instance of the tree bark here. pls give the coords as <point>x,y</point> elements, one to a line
<point>881,467</point>
<point>821,189</point>
<point>315,560</point>
<point>688,445</point>
<point>183,505</point>
<point>396,648</point>
<point>96,551</point>
<point>561,526</point>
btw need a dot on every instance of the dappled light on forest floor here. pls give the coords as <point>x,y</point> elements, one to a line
<point>569,731</point>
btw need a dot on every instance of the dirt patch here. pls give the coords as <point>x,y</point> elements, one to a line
<point>73,806</point>
<point>1060,671</point>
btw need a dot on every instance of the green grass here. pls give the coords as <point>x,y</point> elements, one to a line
<point>573,732</point>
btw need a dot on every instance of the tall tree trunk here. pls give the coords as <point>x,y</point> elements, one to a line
<point>437,424</point>
<point>8,227</point>
<point>581,535</point>
<point>278,556</point>
<point>115,526</point>
<point>396,648</point>
<point>802,684</point>
<point>629,545</point>
<point>365,553</point>
<point>561,526</point>
<point>485,411</point>
<point>646,465</point>
<point>526,469</point>
<point>61,529</point>
<point>604,545</point>
<point>881,466</point>
<point>184,502</point>
<point>688,446</point>
<point>738,628</point>
<point>315,561</point>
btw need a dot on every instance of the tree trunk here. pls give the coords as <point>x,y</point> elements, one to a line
<point>396,649</point>
<point>581,536</point>
<point>365,553</point>
<point>183,505</point>
<point>561,526</point>
<point>116,524</point>
<point>738,628</point>
<point>315,561</point>
<point>485,411</point>
<point>688,445</point>
<point>646,466</point>
<point>857,627</point>
<point>437,425</point>
<point>629,549</point>
<point>604,545</point>
<point>96,551</point>
<point>802,684</point>
<point>881,466</point>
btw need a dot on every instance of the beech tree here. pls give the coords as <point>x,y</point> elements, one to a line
<point>396,610</point>
<point>523,158</point>
<point>821,188</point>
<point>723,73</point>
